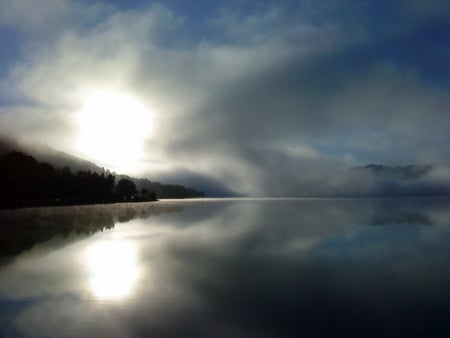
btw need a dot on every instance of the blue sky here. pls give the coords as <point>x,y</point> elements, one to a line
<point>242,92</point>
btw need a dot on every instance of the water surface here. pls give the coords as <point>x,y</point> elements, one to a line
<point>228,268</point>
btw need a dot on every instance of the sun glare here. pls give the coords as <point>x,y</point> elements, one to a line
<point>113,269</point>
<point>112,128</point>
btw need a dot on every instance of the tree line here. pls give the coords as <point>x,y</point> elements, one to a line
<point>26,182</point>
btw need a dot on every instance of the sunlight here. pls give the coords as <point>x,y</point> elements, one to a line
<point>112,127</point>
<point>113,269</point>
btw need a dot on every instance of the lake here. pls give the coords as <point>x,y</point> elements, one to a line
<point>228,268</point>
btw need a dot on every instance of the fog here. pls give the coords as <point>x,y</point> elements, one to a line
<point>242,95</point>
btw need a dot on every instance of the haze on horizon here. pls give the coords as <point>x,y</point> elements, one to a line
<point>260,96</point>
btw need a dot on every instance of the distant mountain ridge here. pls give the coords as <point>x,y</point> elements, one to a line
<point>416,180</point>
<point>400,172</point>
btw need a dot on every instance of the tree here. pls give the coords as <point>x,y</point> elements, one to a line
<point>125,189</point>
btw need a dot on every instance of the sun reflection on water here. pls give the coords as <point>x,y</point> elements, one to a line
<point>113,269</point>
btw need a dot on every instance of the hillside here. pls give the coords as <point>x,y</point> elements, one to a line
<point>59,160</point>
<point>45,153</point>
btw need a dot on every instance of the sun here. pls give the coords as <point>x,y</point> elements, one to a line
<point>112,127</point>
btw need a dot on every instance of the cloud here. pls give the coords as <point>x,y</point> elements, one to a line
<point>267,96</point>
<point>30,16</point>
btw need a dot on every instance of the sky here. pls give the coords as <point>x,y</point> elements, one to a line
<point>258,97</point>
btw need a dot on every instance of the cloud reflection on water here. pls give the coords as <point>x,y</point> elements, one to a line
<point>257,268</point>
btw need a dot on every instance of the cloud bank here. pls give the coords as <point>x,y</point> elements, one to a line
<point>267,98</point>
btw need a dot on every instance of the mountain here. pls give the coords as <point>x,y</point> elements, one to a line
<point>409,172</point>
<point>414,180</point>
<point>27,182</point>
<point>164,190</point>
<point>45,153</point>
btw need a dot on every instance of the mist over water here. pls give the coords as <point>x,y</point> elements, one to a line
<point>236,267</point>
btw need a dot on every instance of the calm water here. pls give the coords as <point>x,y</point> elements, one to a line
<point>228,268</point>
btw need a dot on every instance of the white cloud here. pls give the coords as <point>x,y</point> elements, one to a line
<point>222,103</point>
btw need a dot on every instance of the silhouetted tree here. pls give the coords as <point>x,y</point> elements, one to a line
<point>151,196</point>
<point>126,188</point>
<point>66,171</point>
<point>26,182</point>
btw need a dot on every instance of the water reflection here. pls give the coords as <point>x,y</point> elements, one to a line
<point>21,229</point>
<point>113,269</point>
<point>248,268</point>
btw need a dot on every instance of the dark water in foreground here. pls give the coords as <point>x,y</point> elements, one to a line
<point>228,268</point>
